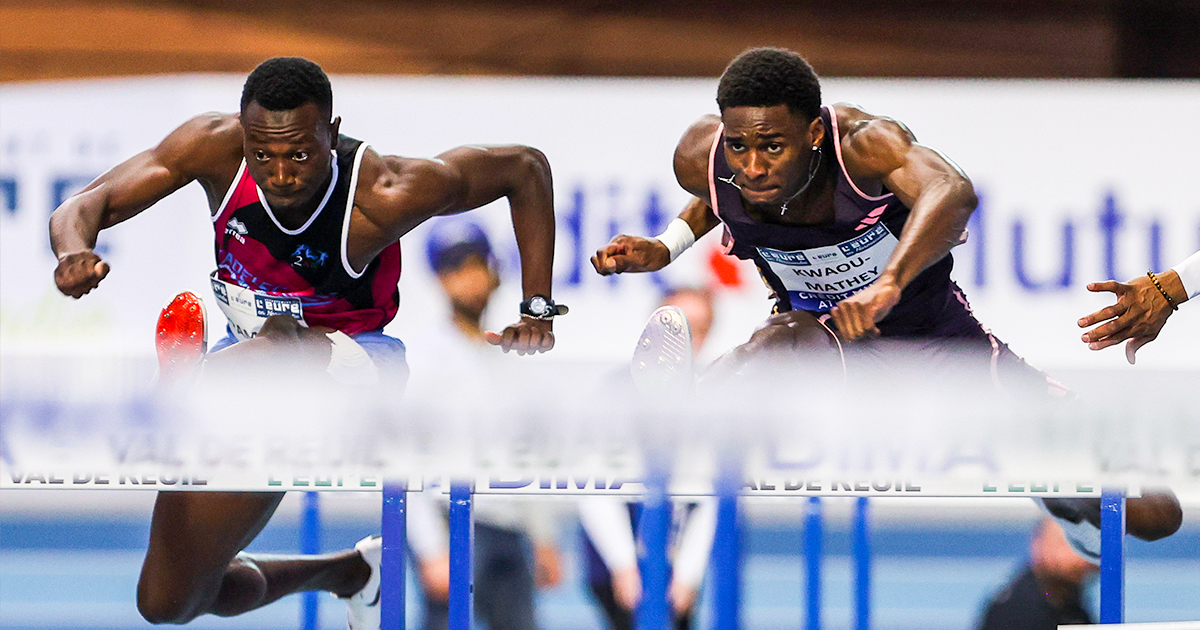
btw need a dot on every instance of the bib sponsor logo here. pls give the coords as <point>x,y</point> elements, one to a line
<point>266,306</point>
<point>219,290</point>
<point>816,279</point>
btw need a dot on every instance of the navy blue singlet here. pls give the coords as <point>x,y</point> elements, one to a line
<point>812,268</point>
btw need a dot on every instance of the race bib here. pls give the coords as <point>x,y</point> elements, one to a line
<point>820,277</point>
<point>246,309</point>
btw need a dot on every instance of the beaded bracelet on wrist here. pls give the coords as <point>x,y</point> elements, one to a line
<point>1158,285</point>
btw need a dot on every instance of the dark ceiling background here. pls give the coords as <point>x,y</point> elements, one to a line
<point>865,38</point>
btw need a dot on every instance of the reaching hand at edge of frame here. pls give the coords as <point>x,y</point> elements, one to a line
<point>1139,314</point>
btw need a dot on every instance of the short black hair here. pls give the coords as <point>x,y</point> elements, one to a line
<point>284,83</point>
<point>766,77</point>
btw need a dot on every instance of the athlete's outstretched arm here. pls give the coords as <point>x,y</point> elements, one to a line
<point>626,253</point>
<point>410,191</point>
<point>1142,307</point>
<point>939,195</point>
<point>126,190</point>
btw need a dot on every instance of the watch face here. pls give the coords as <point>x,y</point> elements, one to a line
<point>538,305</point>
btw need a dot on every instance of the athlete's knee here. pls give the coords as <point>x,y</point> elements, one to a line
<point>243,588</point>
<point>158,603</point>
<point>165,599</point>
<point>280,327</point>
<point>1153,516</point>
<point>794,330</point>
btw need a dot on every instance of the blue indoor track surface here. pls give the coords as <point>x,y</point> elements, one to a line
<point>75,573</point>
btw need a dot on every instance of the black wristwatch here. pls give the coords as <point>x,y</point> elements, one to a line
<point>542,307</point>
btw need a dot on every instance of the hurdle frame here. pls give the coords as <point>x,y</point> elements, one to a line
<point>726,561</point>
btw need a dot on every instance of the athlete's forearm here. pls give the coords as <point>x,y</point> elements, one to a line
<point>532,202</point>
<point>75,225</point>
<point>699,216</point>
<point>934,227</point>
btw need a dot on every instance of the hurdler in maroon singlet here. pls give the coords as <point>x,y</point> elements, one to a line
<point>307,266</point>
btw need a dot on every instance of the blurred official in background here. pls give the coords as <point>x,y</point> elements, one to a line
<point>514,544</point>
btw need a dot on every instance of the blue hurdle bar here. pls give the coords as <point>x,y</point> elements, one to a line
<point>310,544</point>
<point>653,529</point>
<point>727,559</point>
<point>1112,556</point>
<point>391,567</point>
<point>862,565</point>
<point>813,542</point>
<point>462,544</point>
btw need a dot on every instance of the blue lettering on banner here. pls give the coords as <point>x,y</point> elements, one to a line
<point>1063,281</point>
<point>8,187</point>
<point>591,210</point>
<point>266,306</point>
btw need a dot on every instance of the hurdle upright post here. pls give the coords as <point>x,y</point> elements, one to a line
<point>391,567</point>
<point>1112,556</point>
<point>653,529</point>
<point>462,561</point>
<point>310,544</point>
<point>814,536</point>
<point>862,565</point>
<point>727,556</point>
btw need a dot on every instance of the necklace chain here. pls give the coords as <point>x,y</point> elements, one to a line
<point>812,172</point>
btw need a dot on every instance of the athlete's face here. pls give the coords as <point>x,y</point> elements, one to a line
<point>288,152</point>
<point>770,151</point>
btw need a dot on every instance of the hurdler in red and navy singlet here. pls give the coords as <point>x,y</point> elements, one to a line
<point>264,269</point>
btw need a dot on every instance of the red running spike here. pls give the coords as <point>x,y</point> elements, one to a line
<point>180,337</point>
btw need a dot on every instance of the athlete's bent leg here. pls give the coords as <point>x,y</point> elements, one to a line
<point>797,337</point>
<point>281,338</point>
<point>194,566</point>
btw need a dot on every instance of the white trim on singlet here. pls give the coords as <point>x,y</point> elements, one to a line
<point>837,149</point>
<point>328,193</point>
<point>229,193</point>
<point>358,156</point>
<point>712,173</point>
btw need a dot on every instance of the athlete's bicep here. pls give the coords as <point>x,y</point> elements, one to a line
<point>477,175</point>
<point>886,150</point>
<point>132,186</point>
<point>197,149</point>
<point>926,171</point>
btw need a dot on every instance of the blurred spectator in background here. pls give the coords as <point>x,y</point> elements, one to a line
<point>1048,592</point>
<point>515,548</point>
<point>610,549</point>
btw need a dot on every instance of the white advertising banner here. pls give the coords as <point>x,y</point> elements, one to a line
<point>1078,181</point>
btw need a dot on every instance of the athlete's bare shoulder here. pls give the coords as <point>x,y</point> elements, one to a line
<point>392,187</point>
<point>692,155</point>
<point>872,146</point>
<point>207,147</point>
